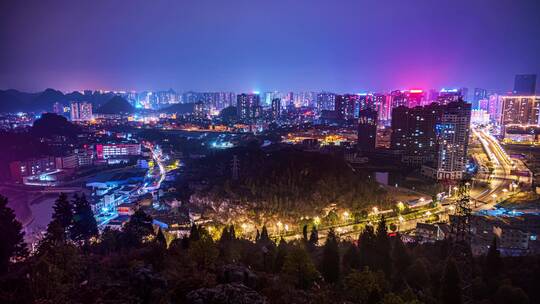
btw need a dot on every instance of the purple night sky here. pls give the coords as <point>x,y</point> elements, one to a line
<point>340,45</point>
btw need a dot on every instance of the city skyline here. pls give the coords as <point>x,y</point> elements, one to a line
<point>243,46</point>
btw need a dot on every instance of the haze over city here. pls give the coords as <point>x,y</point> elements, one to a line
<point>341,46</point>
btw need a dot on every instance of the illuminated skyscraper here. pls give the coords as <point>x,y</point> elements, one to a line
<point>276,108</point>
<point>525,84</point>
<point>435,136</point>
<point>447,96</point>
<point>382,104</point>
<point>520,111</point>
<point>479,94</point>
<point>346,105</point>
<point>248,106</point>
<point>367,129</point>
<point>399,99</point>
<point>495,108</point>
<point>452,131</point>
<point>326,101</point>
<point>81,111</point>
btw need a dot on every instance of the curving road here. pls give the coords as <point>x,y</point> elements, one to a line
<point>502,177</point>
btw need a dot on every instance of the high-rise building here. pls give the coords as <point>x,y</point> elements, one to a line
<point>364,101</point>
<point>367,129</point>
<point>413,133</point>
<point>495,108</point>
<point>452,132</point>
<point>81,111</point>
<point>520,111</point>
<point>415,98</point>
<point>447,96</point>
<point>479,94</point>
<point>525,84</point>
<point>399,99</point>
<point>382,104</point>
<point>326,101</point>
<point>435,136</point>
<point>248,106</point>
<point>276,108</point>
<point>345,106</point>
<point>483,104</point>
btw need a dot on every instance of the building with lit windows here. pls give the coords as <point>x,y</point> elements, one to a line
<point>479,94</point>
<point>326,101</point>
<point>519,115</point>
<point>495,108</point>
<point>276,108</point>
<point>106,151</point>
<point>346,106</point>
<point>383,105</point>
<point>367,129</point>
<point>434,136</point>
<point>248,106</point>
<point>452,137</point>
<point>81,111</point>
<point>21,169</point>
<point>447,96</point>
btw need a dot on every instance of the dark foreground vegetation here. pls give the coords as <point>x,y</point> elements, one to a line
<point>139,264</point>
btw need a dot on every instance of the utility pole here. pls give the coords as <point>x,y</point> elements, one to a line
<point>460,225</point>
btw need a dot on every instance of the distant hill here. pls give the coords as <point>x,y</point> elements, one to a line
<point>180,108</point>
<point>116,105</point>
<point>17,101</point>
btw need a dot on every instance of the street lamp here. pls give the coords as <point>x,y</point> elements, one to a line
<point>375,210</point>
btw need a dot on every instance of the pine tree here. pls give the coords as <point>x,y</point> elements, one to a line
<point>54,236</point>
<point>330,263</point>
<point>225,235</point>
<point>232,233</point>
<point>84,223</point>
<point>299,267</point>
<point>63,212</point>
<point>366,247</point>
<point>137,228</point>
<point>450,284</point>
<point>257,236</point>
<point>314,237</point>
<point>305,233</point>
<point>12,244</point>
<point>282,251</point>
<point>160,238</point>
<point>194,233</point>
<point>351,258</point>
<point>264,235</point>
<point>400,255</point>
<point>493,262</point>
<point>383,248</point>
